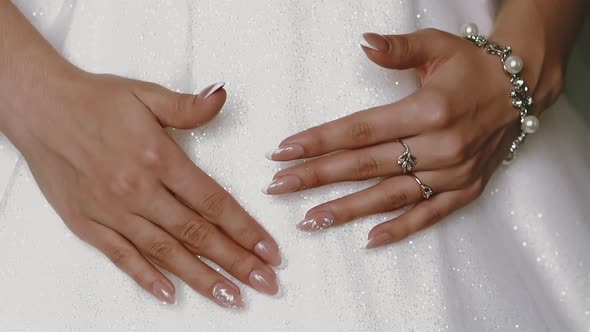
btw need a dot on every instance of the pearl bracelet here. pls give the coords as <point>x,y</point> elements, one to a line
<point>513,65</point>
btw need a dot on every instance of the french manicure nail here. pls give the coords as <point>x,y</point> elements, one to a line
<point>286,153</point>
<point>227,296</point>
<point>378,241</point>
<point>283,185</point>
<point>211,89</point>
<point>316,222</point>
<point>264,281</point>
<point>163,292</point>
<point>375,42</point>
<point>268,251</point>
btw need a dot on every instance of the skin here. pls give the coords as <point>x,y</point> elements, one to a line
<point>97,147</point>
<point>458,125</point>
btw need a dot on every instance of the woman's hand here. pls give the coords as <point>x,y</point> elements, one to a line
<point>458,125</point>
<point>97,147</point>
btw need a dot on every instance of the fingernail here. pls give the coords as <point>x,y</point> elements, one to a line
<point>163,292</point>
<point>316,223</point>
<point>211,89</point>
<point>269,251</point>
<point>283,265</point>
<point>378,241</point>
<point>375,42</point>
<point>286,153</point>
<point>264,281</point>
<point>283,185</point>
<point>226,296</point>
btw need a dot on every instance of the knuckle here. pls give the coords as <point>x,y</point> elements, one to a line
<point>312,139</point>
<point>312,177</point>
<point>477,188</point>
<point>402,47</point>
<point>396,198</point>
<point>467,171</point>
<point>126,183</point>
<point>242,264</point>
<point>119,255</point>
<point>99,196</point>
<point>214,204</point>
<point>178,103</point>
<point>458,148</point>
<point>196,235</point>
<point>433,216</point>
<point>362,132</point>
<point>153,156</point>
<point>249,236</point>
<point>367,166</point>
<point>441,110</point>
<point>160,250</point>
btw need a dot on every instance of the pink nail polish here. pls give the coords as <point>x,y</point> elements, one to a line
<point>269,252</point>
<point>226,296</point>
<point>211,89</point>
<point>283,185</point>
<point>375,42</point>
<point>264,281</point>
<point>163,292</point>
<point>378,241</point>
<point>316,222</point>
<point>286,153</point>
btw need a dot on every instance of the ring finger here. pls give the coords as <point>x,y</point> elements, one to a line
<point>164,250</point>
<point>126,257</point>
<point>389,195</point>
<point>399,191</point>
<point>430,153</point>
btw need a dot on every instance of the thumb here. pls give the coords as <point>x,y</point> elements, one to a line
<point>414,50</point>
<point>181,110</point>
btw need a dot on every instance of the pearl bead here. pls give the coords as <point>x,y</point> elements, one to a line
<point>469,29</point>
<point>513,64</point>
<point>531,124</point>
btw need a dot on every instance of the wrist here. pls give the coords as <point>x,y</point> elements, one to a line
<point>539,45</point>
<point>543,71</point>
<point>29,90</point>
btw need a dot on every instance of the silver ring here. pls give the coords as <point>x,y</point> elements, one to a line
<point>406,160</point>
<point>427,192</point>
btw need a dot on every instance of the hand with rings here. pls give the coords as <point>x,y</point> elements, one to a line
<point>436,148</point>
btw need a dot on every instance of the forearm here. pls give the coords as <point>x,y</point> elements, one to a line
<point>543,33</point>
<point>29,67</point>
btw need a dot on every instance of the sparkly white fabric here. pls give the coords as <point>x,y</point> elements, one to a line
<point>517,259</point>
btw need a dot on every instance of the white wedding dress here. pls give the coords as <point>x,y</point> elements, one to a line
<point>517,259</point>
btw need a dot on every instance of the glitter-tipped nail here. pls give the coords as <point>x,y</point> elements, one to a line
<point>316,223</point>
<point>226,296</point>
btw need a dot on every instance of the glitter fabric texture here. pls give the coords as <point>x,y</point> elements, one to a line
<point>515,260</point>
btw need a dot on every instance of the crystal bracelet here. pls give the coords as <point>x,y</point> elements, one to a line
<point>513,65</point>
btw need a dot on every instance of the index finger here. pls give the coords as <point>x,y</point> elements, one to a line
<point>407,117</point>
